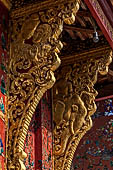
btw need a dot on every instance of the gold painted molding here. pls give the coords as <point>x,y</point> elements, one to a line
<point>34,49</point>
<point>94,53</point>
<point>74,103</point>
<point>6,3</point>
<point>39,6</point>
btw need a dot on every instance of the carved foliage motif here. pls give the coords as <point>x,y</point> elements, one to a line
<point>74,103</point>
<point>33,58</point>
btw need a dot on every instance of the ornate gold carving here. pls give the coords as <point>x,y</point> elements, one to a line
<point>33,58</point>
<point>74,103</point>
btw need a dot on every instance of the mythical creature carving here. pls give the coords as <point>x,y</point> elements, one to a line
<point>74,103</point>
<point>34,49</point>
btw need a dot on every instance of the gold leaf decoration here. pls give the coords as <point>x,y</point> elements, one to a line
<point>34,49</point>
<point>73,104</point>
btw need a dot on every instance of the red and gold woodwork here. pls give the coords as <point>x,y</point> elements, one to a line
<point>74,103</point>
<point>34,48</point>
<point>34,44</point>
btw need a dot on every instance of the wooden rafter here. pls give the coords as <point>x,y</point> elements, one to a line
<point>82,30</point>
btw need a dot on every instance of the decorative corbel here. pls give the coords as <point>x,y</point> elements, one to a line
<point>74,103</point>
<point>34,49</point>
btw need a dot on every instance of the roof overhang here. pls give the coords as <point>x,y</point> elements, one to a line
<point>103,14</point>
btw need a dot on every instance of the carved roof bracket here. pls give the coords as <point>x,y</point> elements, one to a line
<point>34,48</point>
<point>74,103</point>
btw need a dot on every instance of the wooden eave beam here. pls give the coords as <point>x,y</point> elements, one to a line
<point>82,30</point>
<point>85,55</point>
<point>32,8</point>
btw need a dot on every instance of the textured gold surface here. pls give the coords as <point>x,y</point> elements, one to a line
<point>34,49</point>
<point>74,103</point>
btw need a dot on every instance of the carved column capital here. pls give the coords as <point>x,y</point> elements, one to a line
<point>34,49</point>
<point>74,103</point>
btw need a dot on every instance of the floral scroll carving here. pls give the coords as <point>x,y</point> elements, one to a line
<point>74,103</point>
<point>34,49</point>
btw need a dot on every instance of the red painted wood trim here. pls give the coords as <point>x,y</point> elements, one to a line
<point>99,21</point>
<point>104,98</point>
<point>110,4</point>
<point>107,10</point>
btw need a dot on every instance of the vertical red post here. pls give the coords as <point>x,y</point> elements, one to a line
<point>39,146</point>
<point>46,124</point>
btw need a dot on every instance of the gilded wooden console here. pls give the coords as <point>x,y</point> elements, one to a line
<point>74,102</point>
<point>35,29</point>
<point>34,47</point>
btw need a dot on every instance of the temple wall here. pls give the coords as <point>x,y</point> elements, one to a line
<point>3,76</point>
<point>95,151</point>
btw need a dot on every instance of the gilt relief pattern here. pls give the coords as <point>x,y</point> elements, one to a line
<point>74,103</point>
<point>34,49</point>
